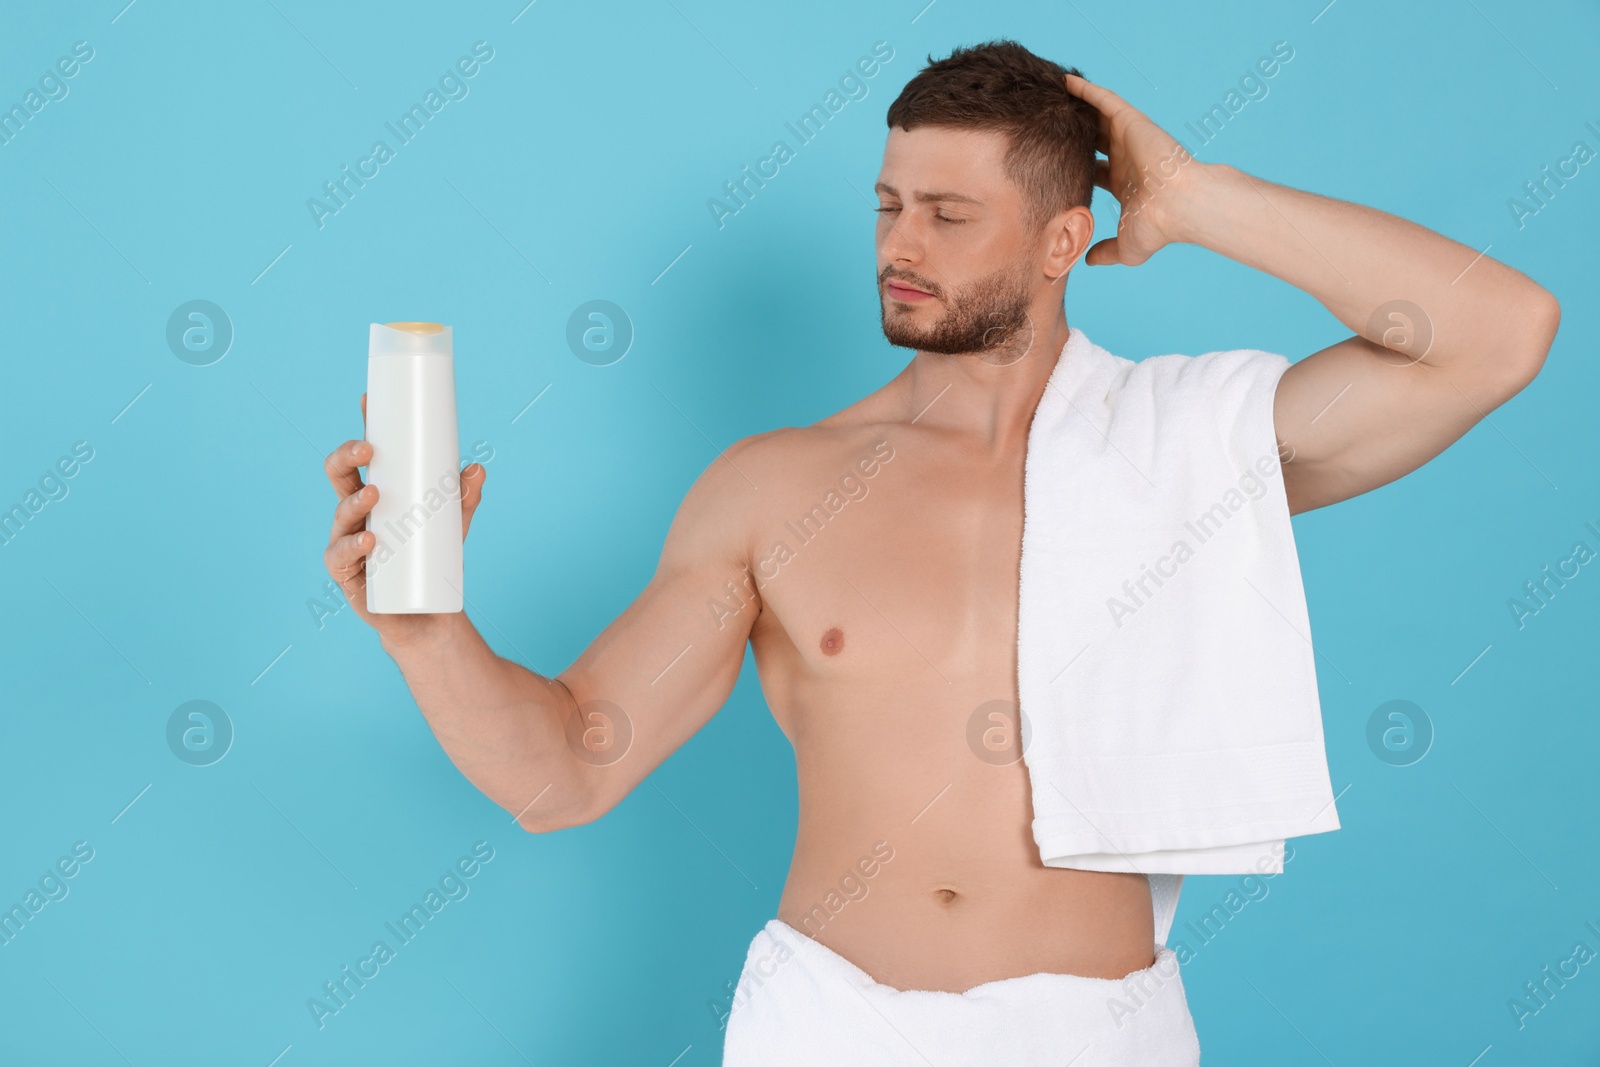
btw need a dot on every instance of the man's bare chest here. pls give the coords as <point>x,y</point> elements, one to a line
<point>914,571</point>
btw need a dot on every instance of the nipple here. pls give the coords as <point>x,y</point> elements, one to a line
<point>833,642</point>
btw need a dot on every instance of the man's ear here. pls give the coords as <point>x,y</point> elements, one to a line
<point>1067,236</point>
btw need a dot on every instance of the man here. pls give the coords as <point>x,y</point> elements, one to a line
<point>880,627</point>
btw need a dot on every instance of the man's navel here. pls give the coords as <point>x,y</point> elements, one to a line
<point>833,642</point>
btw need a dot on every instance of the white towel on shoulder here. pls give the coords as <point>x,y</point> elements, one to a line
<point>1165,671</point>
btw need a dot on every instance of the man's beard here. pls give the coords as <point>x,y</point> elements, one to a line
<point>988,317</point>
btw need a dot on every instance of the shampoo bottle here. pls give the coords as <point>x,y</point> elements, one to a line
<point>415,565</point>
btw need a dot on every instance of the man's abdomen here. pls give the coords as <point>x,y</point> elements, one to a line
<point>922,871</point>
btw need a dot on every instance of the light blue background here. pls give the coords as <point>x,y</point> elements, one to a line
<point>182,561</point>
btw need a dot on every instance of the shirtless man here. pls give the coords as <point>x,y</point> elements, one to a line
<point>878,636</point>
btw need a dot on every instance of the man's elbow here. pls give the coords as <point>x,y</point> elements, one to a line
<point>1544,319</point>
<point>542,823</point>
<point>1512,365</point>
<point>540,817</point>
<point>545,822</point>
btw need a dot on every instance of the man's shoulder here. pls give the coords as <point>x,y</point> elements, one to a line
<point>760,480</point>
<point>791,457</point>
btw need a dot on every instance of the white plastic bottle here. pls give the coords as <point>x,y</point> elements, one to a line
<point>415,566</point>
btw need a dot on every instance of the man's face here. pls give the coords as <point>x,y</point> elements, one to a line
<point>956,262</point>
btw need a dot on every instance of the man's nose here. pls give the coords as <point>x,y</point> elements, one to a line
<point>900,245</point>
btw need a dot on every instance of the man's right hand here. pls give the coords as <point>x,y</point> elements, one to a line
<point>349,544</point>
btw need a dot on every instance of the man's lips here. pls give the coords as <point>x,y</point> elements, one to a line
<point>905,293</point>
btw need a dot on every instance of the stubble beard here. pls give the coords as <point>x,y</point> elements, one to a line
<point>988,318</point>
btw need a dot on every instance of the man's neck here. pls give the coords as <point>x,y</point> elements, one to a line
<point>989,395</point>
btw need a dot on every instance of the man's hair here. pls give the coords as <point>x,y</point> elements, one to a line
<point>1001,86</point>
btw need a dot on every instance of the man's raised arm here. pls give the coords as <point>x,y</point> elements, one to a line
<point>560,751</point>
<point>1444,334</point>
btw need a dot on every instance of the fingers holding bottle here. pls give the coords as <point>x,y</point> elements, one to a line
<point>349,543</point>
<point>343,466</point>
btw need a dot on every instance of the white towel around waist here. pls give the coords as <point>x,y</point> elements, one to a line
<point>800,1004</point>
<point>1166,677</point>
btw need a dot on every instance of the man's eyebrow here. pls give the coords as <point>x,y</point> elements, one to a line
<point>928,198</point>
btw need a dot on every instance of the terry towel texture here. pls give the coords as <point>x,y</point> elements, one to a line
<point>800,1003</point>
<point>1165,673</point>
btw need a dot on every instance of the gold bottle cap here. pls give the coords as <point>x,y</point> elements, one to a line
<point>409,338</point>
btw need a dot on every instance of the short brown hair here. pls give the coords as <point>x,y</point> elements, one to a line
<point>1000,85</point>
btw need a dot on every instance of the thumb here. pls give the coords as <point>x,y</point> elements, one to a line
<point>1102,253</point>
<point>472,480</point>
